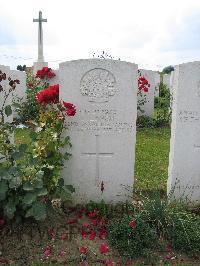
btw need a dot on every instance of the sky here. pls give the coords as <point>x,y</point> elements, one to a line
<point>150,33</point>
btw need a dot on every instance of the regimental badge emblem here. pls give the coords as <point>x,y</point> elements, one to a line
<point>99,85</point>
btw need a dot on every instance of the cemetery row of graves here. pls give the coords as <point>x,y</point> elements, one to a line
<point>88,175</point>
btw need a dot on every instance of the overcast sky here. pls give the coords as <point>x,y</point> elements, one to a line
<point>150,33</point>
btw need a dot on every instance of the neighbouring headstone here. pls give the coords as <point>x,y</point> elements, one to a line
<point>184,158</point>
<point>166,79</point>
<point>157,83</point>
<point>148,107</point>
<point>55,79</point>
<point>20,91</point>
<point>103,131</point>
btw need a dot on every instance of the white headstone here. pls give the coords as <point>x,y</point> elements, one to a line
<point>166,79</point>
<point>157,83</point>
<point>184,159</point>
<point>148,107</point>
<point>20,91</point>
<point>55,80</point>
<point>103,131</point>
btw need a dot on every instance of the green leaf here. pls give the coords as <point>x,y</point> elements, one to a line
<point>16,105</point>
<point>40,174</point>
<point>3,172</point>
<point>70,188</point>
<point>17,155</point>
<point>3,189</point>
<point>42,192</point>
<point>67,155</point>
<point>29,198</point>
<point>8,110</point>
<point>33,135</point>
<point>15,182</point>
<point>23,148</point>
<point>38,211</point>
<point>13,170</point>
<point>28,186</point>
<point>38,183</point>
<point>9,209</point>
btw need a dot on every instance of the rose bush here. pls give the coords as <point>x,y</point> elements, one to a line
<point>30,174</point>
<point>30,108</point>
<point>143,87</point>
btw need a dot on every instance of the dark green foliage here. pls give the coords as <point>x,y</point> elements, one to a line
<point>30,108</point>
<point>132,242</point>
<point>162,106</point>
<point>168,70</point>
<point>158,224</point>
<point>21,68</point>
<point>184,232</point>
<point>145,122</point>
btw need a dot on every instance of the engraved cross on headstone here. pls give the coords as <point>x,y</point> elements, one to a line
<point>98,154</point>
<point>40,36</point>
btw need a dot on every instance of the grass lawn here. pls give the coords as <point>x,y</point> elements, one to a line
<point>151,163</point>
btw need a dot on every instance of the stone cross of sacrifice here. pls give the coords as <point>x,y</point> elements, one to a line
<point>98,154</point>
<point>40,36</point>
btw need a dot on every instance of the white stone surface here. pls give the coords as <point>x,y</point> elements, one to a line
<point>172,88</point>
<point>184,158</point>
<point>148,107</point>
<point>55,80</point>
<point>103,131</point>
<point>166,80</point>
<point>20,91</point>
<point>157,83</point>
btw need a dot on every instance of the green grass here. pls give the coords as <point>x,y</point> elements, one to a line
<point>152,153</point>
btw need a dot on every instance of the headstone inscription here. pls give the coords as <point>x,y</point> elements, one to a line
<point>103,130</point>
<point>184,158</point>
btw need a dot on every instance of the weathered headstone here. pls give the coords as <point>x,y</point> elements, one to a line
<point>157,83</point>
<point>166,79</point>
<point>148,107</point>
<point>20,91</point>
<point>184,159</point>
<point>103,130</point>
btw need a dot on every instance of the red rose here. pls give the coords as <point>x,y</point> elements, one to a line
<point>83,250</point>
<point>143,84</point>
<point>92,235</point>
<point>133,224</point>
<point>45,72</point>
<point>70,109</point>
<point>49,95</point>
<point>104,248</point>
